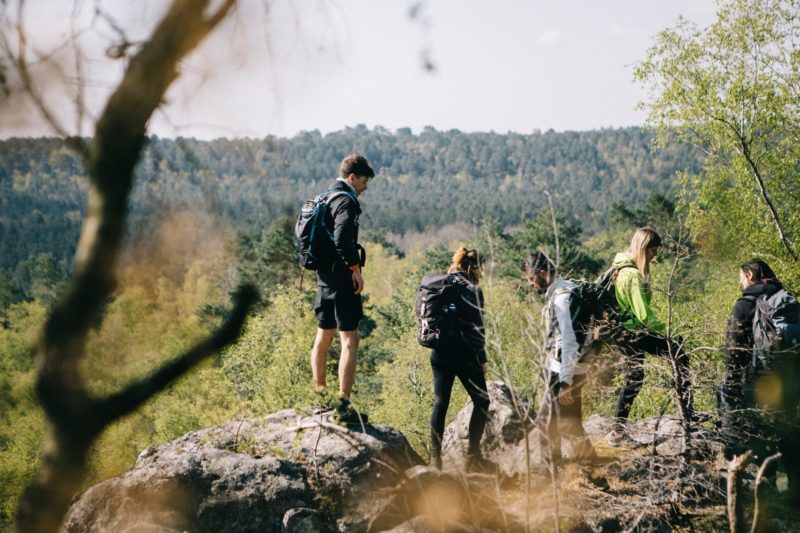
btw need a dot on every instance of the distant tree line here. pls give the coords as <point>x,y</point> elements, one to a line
<point>424,181</point>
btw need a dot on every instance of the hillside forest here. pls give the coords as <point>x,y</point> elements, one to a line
<point>206,216</point>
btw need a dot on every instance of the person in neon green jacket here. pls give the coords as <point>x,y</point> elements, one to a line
<point>643,332</point>
<point>633,295</point>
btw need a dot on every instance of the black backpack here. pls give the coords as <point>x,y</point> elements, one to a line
<point>776,328</point>
<point>436,308</point>
<point>313,239</point>
<point>598,313</point>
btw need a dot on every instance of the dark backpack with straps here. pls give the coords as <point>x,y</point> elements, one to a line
<point>776,328</point>
<point>436,309</point>
<point>313,239</point>
<point>599,315</point>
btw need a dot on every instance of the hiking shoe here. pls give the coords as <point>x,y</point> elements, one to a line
<point>586,454</point>
<point>618,437</point>
<point>347,415</point>
<point>481,465</point>
<point>696,417</point>
<point>324,402</point>
<point>587,458</point>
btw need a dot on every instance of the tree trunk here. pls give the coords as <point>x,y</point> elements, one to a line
<point>74,419</point>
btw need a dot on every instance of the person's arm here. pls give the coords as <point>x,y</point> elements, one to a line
<point>471,320</point>
<point>345,212</point>
<point>569,343</point>
<point>738,343</point>
<point>640,305</point>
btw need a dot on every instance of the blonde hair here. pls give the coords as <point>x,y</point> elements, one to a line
<point>466,261</point>
<point>643,239</point>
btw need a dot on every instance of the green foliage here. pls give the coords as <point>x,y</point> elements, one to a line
<point>10,292</point>
<point>731,89</point>
<point>40,277</point>
<point>424,181</point>
<point>658,212</point>
<point>515,336</point>
<point>538,234</point>
<point>269,259</point>
<point>176,274</point>
<point>270,365</point>
<point>21,422</point>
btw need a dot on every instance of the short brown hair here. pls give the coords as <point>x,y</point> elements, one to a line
<point>538,261</point>
<point>356,164</point>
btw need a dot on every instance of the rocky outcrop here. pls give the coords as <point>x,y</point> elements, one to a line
<point>292,473</point>
<point>282,472</point>
<point>511,417</point>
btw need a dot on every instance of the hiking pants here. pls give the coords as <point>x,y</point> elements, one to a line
<point>634,344</point>
<point>556,420</point>
<point>446,367</point>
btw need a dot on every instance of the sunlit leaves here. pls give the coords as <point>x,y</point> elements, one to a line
<point>732,89</point>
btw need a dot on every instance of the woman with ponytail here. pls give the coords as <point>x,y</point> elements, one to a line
<point>465,358</point>
<point>642,331</point>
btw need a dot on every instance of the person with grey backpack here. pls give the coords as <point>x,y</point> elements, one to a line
<point>758,399</point>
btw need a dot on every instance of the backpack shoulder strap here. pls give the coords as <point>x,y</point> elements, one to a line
<point>330,194</point>
<point>572,291</point>
<point>609,275</point>
<point>623,266</point>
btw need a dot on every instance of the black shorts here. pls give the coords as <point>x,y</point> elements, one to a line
<point>338,307</point>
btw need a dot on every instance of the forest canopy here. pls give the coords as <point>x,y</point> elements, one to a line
<point>250,183</point>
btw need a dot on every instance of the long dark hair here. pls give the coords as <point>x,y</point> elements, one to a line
<point>759,269</point>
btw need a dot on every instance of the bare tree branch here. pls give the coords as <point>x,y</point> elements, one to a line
<point>19,61</point>
<point>74,419</point>
<point>735,505</point>
<point>128,400</point>
<point>767,200</point>
<point>555,229</point>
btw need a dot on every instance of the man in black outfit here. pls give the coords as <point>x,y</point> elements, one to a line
<point>338,302</point>
<point>747,420</point>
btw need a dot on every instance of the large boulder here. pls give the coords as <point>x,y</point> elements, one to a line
<point>511,417</point>
<point>186,485</point>
<point>282,472</point>
<point>664,434</point>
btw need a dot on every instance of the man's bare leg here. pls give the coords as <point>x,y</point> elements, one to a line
<point>347,362</point>
<point>319,356</point>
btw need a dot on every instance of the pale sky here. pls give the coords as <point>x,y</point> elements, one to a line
<point>299,65</point>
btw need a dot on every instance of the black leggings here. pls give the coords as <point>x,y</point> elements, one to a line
<point>633,346</point>
<point>446,367</point>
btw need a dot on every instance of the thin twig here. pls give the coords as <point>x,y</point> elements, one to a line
<point>758,516</point>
